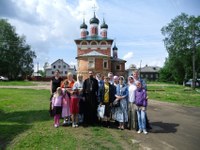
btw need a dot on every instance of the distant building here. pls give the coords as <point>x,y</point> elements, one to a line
<point>60,65</point>
<point>150,73</point>
<point>130,70</point>
<point>94,51</point>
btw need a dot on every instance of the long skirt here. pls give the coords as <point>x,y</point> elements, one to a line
<point>121,114</point>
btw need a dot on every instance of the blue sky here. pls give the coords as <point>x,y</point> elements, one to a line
<point>50,26</point>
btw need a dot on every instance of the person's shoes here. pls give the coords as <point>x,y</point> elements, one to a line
<point>145,132</point>
<point>55,125</point>
<point>73,125</point>
<point>76,125</point>
<point>139,131</point>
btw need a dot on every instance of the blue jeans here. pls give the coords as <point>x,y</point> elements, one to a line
<point>141,119</point>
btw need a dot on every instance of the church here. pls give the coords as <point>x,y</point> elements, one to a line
<point>94,50</point>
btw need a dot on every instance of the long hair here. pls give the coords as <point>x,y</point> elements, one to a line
<point>58,92</point>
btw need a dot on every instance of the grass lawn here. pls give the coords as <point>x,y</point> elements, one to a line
<point>174,93</point>
<point>25,124</point>
<point>17,83</point>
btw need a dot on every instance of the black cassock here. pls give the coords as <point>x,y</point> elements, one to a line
<point>90,89</point>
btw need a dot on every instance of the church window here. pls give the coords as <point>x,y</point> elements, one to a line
<point>105,63</point>
<point>91,62</point>
<point>118,67</point>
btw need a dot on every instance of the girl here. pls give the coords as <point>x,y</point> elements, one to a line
<point>79,85</point>
<point>66,105</point>
<point>57,106</point>
<point>141,102</point>
<point>74,107</point>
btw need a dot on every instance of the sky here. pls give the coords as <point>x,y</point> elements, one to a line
<point>50,26</point>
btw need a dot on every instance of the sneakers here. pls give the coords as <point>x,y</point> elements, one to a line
<point>74,125</point>
<point>55,125</point>
<point>145,132</point>
<point>139,131</point>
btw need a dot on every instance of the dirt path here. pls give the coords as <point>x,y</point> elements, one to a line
<point>174,127</point>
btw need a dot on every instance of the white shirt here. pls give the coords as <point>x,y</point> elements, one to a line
<point>131,91</point>
<point>78,85</point>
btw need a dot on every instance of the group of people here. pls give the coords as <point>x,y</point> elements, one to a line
<point>77,101</point>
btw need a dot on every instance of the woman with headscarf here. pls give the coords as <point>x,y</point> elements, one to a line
<point>121,112</point>
<point>132,118</point>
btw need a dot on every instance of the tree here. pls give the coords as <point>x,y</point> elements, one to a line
<point>16,57</point>
<point>182,42</point>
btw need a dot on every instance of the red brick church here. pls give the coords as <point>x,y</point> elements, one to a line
<point>94,50</point>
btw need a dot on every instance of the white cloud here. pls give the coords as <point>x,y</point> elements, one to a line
<point>129,55</point>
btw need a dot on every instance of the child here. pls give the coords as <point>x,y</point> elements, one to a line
<point>66,106</point>
<point>141,103</point>
<point>79,85</point>
<point>74,107</point>
<point>57,106</point>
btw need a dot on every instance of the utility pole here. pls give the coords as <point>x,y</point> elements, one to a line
<point>140,69</point>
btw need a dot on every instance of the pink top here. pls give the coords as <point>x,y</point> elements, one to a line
<point>57,101</point>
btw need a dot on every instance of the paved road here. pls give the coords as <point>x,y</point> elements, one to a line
<point>174,127</point>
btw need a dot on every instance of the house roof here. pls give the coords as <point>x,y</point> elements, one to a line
<point>150,69</point>
<point>117,59</point>
<point>61,61</point>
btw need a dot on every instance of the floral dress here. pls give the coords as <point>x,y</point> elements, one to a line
<point>121,114</point>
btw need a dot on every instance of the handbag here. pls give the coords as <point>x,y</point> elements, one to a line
<point>116,103</point>
<point>101,111</point>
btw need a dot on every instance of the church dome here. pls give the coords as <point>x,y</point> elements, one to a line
<point>115,47</point>
<point>104,25</point>
<point>83,25</point>
<point>94,20</point>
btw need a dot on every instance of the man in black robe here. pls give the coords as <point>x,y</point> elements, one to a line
<point>90,91</point>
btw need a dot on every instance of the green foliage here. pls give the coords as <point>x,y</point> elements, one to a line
<point>16,57</point>
<point>18,83</point>
<point>181,41</point>
<point>174,93</point>
<point>42,73</point>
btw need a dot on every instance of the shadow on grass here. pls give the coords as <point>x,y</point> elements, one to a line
<point>14,123</point>
<point>162,127</point>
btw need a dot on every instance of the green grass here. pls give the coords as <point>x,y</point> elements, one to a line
<point>25,124</point>
<point>174,93</point>
<point>17,83</point>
